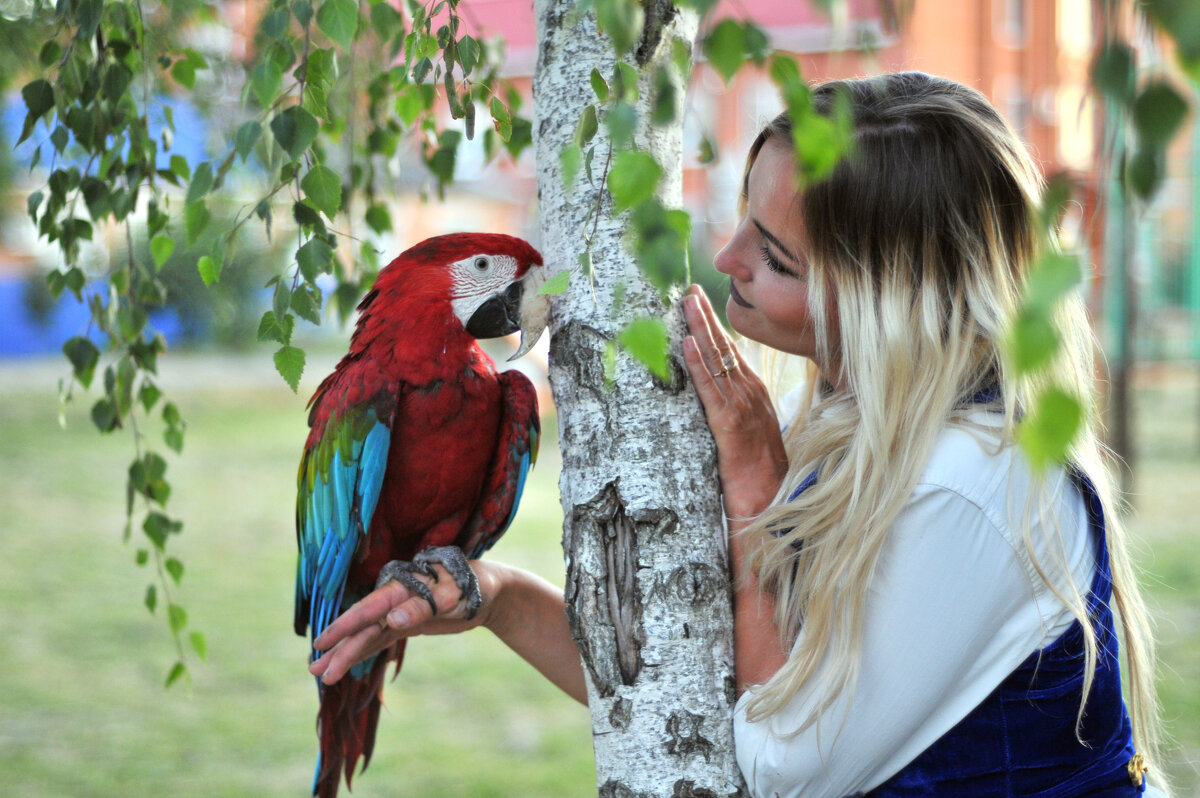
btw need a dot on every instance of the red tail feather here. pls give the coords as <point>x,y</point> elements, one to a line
<point>347,721</point>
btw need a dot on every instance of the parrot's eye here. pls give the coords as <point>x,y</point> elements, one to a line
<point>482,264</point>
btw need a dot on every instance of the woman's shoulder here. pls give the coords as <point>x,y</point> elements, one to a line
<point>975,459</point>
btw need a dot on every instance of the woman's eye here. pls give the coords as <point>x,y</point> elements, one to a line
<point>773,263</point>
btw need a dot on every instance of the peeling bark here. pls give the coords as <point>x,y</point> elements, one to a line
<point>648,591</point>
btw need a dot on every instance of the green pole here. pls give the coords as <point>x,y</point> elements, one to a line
<point>1194,260</point>
<point>1117,296</point>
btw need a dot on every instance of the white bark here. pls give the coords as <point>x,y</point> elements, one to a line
<point>648,589</point>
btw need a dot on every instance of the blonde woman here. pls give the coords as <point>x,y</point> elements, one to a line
<point>917,612</point>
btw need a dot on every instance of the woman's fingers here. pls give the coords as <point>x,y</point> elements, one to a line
<point>384,616</point>
<point>365,613</point>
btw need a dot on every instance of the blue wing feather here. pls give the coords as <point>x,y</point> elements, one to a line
<point>335,508</point>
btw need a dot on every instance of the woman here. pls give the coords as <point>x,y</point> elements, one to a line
<point>917,611</point>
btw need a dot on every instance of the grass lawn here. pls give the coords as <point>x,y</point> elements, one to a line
<point>82,709</point>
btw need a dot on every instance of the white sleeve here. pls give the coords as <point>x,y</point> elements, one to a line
<point>950,613</point>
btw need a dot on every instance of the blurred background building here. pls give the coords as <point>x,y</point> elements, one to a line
<point>1030,58</point>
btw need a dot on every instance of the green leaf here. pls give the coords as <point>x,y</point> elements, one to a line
<point>666,97</point>
<point>174,568</point>
<point>315,257</point>
<point>209,268</point>
<point>275,24</point>
<point>202,182</point>
<point>441,163</point>
<point>379,219</point>
<point>622,20</point>
<point>338,19</point>
<point>295,129</point>
<point>556,284</point>
<point>184,71</point>
<point>1052,277</point>
<point>289,362</point>
<point>586,127</point>
<point>633,178</point>
<point>468,54</point>
<point>84,356</point>
<point>196,217</point>
<point>1032,342</point>
<point>621,121</point>
<point>320,69</point>
<point>199,644</point>
<point>609,363</point>
<point>501,119</point>
<point>161,247</point>
<point>1144,172</point>
<point>38,96</point>
<point>179,165</point>
<point>151,599</point>
<point>105,416</point>
<point>599,86</point>
<point>569,160</point>
<point>323,188</point>
<point>265,80</point>
<point>1047,432</point>
<point>177,616</point>
<point>246,137</point>
<point>725,48</point>
<point>1114,72</point>
<point>647,341</point>
<point>177,671</point>
<point>148,395</point>
<point>1158,112</point>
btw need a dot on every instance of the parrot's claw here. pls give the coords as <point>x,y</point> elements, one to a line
<point>403,572</point>
<point>455,562</point>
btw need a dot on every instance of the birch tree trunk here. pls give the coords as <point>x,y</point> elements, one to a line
<point>648,591</point>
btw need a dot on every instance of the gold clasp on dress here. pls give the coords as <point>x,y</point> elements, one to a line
<point>1137,768</point>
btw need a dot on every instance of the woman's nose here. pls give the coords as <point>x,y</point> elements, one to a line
<point>729,261</point>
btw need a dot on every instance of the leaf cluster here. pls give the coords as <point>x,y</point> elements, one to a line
<point>320,119</point>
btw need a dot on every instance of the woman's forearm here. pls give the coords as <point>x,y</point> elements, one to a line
<point>756,647</point>
<point>528,614</point>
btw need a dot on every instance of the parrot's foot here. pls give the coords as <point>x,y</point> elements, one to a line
<point>455,562</point>
<point>402,572</point>
<point>449,557</point>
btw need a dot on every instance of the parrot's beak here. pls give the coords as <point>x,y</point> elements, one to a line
<point>534,309</point>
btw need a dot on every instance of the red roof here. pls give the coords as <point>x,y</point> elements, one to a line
<point>795,25</point>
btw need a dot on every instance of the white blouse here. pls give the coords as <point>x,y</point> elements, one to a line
<point>955,606</point>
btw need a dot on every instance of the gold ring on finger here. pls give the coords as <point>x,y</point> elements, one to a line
<point>720,373</point>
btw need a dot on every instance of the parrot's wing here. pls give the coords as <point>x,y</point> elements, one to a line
<point>516,451</point>
<point>341,474</point>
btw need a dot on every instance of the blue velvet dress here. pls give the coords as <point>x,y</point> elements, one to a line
<point>1022,741</point>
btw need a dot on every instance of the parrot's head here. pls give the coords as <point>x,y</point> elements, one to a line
<point>492,281</point>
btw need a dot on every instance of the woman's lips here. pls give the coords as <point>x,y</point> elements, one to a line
<point>736,297</point>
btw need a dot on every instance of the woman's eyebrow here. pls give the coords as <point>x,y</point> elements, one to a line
<point>767,234</point>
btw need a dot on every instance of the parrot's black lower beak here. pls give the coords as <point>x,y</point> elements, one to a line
<point>500,315</point>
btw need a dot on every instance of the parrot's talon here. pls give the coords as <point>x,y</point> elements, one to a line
<point>402,572</point>
<point>456,564</point>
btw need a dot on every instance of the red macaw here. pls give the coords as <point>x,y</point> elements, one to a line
<point>417,452</point>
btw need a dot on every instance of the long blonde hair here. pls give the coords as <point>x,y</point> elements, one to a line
<point>921,240</point>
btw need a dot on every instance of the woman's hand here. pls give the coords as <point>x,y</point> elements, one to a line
<point>392,612</point>
<point>522,609</point>
<point>751,459</point>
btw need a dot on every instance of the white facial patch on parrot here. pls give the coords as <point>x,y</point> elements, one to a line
<point>476,279</point>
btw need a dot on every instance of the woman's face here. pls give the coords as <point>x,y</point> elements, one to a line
<point>766,261</point>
